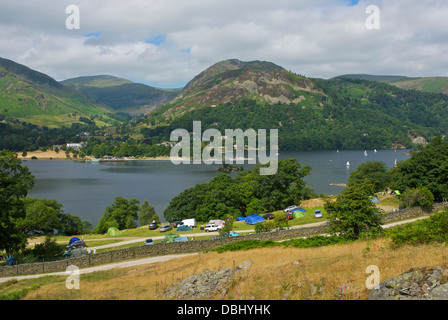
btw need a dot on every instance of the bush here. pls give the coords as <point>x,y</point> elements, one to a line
<point>46,250</point>
<point>431,230</point>
<point>417,197</point>
<point>263,227</point>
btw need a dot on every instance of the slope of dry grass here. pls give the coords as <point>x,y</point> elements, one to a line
<point>332,272</point>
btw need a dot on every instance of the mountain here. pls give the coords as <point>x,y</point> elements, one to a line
<point>120,94</point>
<point>31,96</point>
<point>310,114</point>
<point>426,84</point>
<point>232,81</point>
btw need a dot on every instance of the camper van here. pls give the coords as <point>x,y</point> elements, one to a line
<point>189,222</point>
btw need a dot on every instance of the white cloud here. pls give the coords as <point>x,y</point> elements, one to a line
<point>316,38</point>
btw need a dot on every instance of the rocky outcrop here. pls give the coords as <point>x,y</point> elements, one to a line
<point>416,284</point>
<point>203,285</point>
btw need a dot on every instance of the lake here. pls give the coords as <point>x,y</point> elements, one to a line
<point>86,189</point>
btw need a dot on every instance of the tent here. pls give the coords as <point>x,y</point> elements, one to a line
<point>11,261</point>
<point>183,228</point>
<point>374,199</point>
<point>298,209</point>
<point>254,218</point>
<point>113,231</point>
<point>298,214</point>
<point>397,192</point>
<point>170,237</point>
<point>240,218</point>
<point>72,240</point>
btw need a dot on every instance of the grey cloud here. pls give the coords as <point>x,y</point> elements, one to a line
<point>314,38</point>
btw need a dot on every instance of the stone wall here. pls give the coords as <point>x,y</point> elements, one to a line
<point>184,247</point>
<point>412,212</point>
<point>150,250</point>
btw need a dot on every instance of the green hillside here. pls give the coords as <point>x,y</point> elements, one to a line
<point>34,97</point>
<point>426,84</point>
<point>378,78</point>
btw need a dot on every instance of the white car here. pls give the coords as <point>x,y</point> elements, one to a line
<point>317,214</point>
<point>289,208</point>
<point>212,227</point>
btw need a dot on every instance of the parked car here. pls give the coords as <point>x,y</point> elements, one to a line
<point>166,227</point>
<point>268,216</point>
<point>149,241</point>
<point>176,224</point>
<point>212,227</point>
<point>289,216</point>
<point>76,244</point>
<point>317,214</point>
<point>153,226</point>
<point>289,208</point>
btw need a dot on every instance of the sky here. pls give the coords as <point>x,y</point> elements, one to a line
<point>165,43</point>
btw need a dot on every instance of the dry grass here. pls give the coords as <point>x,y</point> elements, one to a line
<point>45,155</point>
<point>332,272</point>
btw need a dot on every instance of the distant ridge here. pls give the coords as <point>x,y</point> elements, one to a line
<point>121,94</point>
<point>425,84</point>
<point>378,78</point>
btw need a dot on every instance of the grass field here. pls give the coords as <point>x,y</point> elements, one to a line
<point>336,272</point>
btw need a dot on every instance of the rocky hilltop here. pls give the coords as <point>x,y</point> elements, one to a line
<point>232,80</point>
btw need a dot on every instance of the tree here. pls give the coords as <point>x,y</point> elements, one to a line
<point>428,166</point>
<point>353,213</point>
<point>228,227</point>
<point>73,225</point>
<point>122,213</point>
<point>15,182</point>
<point>281,189</point>
<point>417,197</point>
<point>147,214</point>
<point>42,217</point>
<point>280,220</point>
<point>374,171</point>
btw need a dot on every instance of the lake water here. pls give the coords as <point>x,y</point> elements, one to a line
<point>86,189</point>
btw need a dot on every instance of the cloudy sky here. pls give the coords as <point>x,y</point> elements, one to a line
<point>165,43</point>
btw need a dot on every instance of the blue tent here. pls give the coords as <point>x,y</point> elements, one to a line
<point>72,240</point>
<point>241,218</point>
<point>298,209</point>
<point>11,261</point>
<point>254,218</point>
<point>183,228</point>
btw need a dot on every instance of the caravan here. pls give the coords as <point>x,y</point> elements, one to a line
<point>189,222</point>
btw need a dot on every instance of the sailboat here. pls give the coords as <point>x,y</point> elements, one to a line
<point>348,164</point>
<point>374,150</point>
<point>365,153</point>
<point>395,162</point>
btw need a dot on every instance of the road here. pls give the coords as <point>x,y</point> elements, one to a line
<point>122,264</point>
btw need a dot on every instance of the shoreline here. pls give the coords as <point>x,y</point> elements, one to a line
<point>52,155</point>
